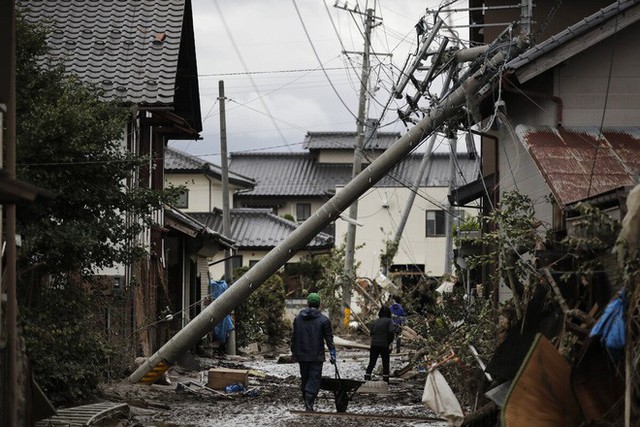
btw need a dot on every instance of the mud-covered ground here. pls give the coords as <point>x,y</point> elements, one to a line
<point>273,397</point>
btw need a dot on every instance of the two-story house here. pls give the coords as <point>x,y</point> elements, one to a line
<point>297,184</point>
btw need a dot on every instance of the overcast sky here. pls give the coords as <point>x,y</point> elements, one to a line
<point>275,87</point>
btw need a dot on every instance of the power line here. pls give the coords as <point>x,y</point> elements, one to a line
<point>270,92</point>
<point>315,52</point>
<point>262,112</point>
<point>244,65</point>
<point>299,70</point>
<point>604,107</point>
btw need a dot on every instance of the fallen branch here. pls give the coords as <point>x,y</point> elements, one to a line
<point>586,319</point>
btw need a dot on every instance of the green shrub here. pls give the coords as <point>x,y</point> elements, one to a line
<point>260,318</point>
<point>68,355</point>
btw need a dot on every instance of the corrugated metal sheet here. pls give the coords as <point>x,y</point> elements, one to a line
<point>297,174</point>
<point>259,228</point>
<point>581,162</point>
<point>128,48</point>
<point>347,141</point>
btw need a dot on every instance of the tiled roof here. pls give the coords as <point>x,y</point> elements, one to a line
<point>289,173</point>
<point>347,141</point>
<point>297,174</point>
<point>259,228</point>
<point>130,49</point>
<point>578,163</point>
<point>191,223</point>
<point>177,161</point>
<point>615,17</point>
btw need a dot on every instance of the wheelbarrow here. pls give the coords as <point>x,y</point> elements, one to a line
<point>343,389</point>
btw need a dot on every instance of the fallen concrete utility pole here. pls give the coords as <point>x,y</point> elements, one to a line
<point>476,87</point>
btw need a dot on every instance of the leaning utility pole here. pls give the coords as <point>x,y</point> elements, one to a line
<point>459,56</point>
<point>226,216</point>
<point>423,170</point>
<point>349,253</point>
<point>479,85</point>
<point>453,150</point>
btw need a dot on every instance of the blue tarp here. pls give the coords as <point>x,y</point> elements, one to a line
<point>222,329</point>
<point>611,325</point>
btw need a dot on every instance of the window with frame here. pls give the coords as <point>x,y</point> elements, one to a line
<point>303,211</point>
<point>183,200</point>
<point>436,223</point>
<point>236,262</point>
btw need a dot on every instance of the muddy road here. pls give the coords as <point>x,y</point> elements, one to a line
<point>273,397</point>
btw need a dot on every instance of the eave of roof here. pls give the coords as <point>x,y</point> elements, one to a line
<point>176,161</point>
<point>578,163</point>
<point>575,39</point>
<point>616,197</point>
<point>190,226</point>
<point>474,190</point>
<point>16,191</point>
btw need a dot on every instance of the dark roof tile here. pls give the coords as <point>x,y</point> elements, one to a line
<point>610,14</point>
<point>347,141</point>
<point>297,174</point>
<point>110,43</point>
<point>259,228</point>
<point>177,161</point>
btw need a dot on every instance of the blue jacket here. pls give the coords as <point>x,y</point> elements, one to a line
<point>398,314</point>
<point>311,330</point>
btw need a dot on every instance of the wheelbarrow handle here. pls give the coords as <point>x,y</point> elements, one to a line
<point>335,365</point>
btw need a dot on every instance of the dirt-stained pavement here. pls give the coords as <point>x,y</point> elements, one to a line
<point>272,398</point>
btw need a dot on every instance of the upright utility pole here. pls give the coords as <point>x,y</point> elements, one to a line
<point>226,216</point>
<point>349,254</point>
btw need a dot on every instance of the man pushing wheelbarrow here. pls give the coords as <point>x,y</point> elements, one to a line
<point>311,331</point>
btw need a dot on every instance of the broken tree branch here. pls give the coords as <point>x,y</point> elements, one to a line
<point>575,313</point>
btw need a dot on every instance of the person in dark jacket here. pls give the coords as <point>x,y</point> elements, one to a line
<point>382,333</point>
<point>311,330</point>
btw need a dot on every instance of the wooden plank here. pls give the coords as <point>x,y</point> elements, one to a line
<point>85,415</point>
<point>541,395</point>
